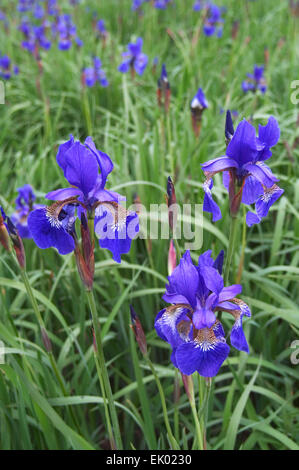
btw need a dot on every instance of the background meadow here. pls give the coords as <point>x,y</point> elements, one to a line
<point>254,398</point>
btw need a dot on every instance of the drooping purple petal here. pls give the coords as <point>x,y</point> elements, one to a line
<point>205,357</point>
<point>209,205</point>
<point>219,164</point>
<point>264,203</point>
<point>252,219</point>
<point>49,232</point>
<point>262,173</point>
<point>116,236</point>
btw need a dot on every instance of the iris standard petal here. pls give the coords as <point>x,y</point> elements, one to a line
<point>243,146</point>
<point>104,161</point>
<point>183,281</point>
<point>81,167</point>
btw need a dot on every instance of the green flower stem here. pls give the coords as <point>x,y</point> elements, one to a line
<point>231,247</point>
<point>107,416</point>
<point>198,430</point>
<point>102,369</point>
<point>172,439</point>
<point>52,360</point>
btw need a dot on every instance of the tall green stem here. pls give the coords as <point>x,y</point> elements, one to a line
<point>52,360</point>
<point>172,439</point>
<point>102,369</point>
<point>231,247</point>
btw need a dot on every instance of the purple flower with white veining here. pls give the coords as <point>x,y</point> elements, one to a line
<point>189,325</point>
<point>246,176</point>
<point>86,169</point>
<point>134,59</point>
<point>255,81</point>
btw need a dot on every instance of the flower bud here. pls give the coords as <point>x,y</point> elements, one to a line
<point>138,331</point>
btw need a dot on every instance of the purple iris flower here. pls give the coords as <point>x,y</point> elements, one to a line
<point>137,4</point>
<point>6,67</point>
<point>101,29</point>
<point>255,81</point>
<point>25,5</point>
<point>214,22</point>
<point>24,205</point>
<point>35,37</point>
<point>134,58</point>
<point>245,175</point>
<point>95,74</point>
<point>161,4</point>
<point>66,31</point>
<point>54,225</point>
<point>190,326</point>
<point>198,5</point>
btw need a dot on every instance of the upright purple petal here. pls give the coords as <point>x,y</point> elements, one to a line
<point>243,146</point>
<point>183,283</point>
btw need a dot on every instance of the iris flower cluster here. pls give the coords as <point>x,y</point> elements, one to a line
<point>189,324</point>
<point>214,22</point>
<point>6,67</point>
<point>255,81</point>
<point>86,169</point>
<point>94,74</point>
<point>134,59</point>
<point>246,176</point>
<point>66,32</point>
<point>35,37</point>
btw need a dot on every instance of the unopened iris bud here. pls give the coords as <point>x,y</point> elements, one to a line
<point>229,127</point>
<point>138,331</point>
<point>163,92</point>
<point>198,105</point>
<point>17,243</point>
<point>4,236</point>
<point>235,29</point>
<point>171,258</point>
<point>46,340</point>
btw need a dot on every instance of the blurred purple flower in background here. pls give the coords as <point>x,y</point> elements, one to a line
<point>214,22</point>
<point>24,205</point>
<point>94,74</point>
<point>134,59</point>
<point>6,67</point>
<point>256,81</point>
